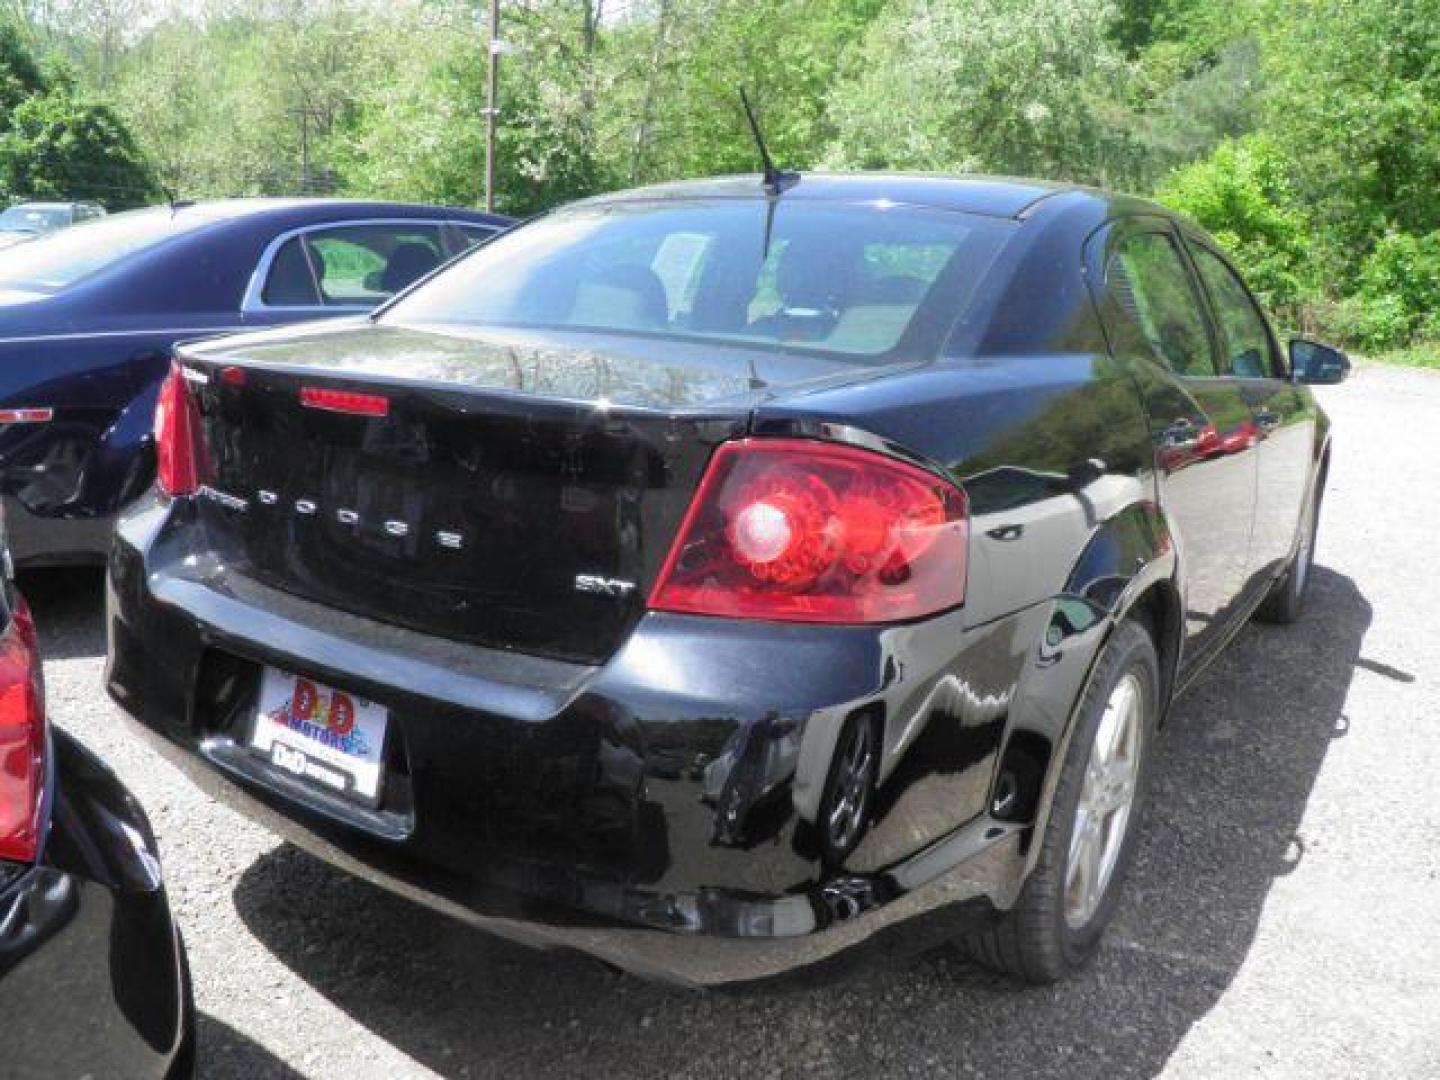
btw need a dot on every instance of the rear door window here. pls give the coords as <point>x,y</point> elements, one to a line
<point>1148,280</point>
<point>352,266</point>
<point>291,282</point>
<point>463,236</point>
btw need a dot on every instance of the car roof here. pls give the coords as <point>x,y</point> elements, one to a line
<point>36,205</point>
<point>998,196</point>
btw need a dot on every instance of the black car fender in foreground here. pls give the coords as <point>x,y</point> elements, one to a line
<point>93,978</point>
<point>709,579</point>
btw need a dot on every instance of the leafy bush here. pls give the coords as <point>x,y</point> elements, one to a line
<point>1399,290</point>
<point>1241,194</point>
<point>1353,98</point>
<point>1373,323</point>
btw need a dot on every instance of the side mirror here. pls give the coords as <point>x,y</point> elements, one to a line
<point>1311,362</point>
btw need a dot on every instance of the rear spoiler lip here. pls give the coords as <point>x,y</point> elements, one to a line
<point>727,398</point>
<point>202,368</point>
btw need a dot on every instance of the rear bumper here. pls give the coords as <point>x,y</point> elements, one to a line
<point>37,541</point>
<point>657,812</point>
<point>92,976</point>
<point>934,912</point>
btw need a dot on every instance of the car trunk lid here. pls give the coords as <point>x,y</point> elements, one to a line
<point>514,492</point>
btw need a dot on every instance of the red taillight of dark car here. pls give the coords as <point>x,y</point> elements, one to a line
<point>344,401</point>
<point>805,531</point>
<point>22,740</point>
<point>177,436</point>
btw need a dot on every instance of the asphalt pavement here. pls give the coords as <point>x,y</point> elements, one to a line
<point>1282,919</point>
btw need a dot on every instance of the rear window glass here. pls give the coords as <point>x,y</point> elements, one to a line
<point>855,281</point>
<point>60,259</point>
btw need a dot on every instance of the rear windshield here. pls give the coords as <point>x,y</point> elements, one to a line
<point>60,259</point>
<point>854,281</point>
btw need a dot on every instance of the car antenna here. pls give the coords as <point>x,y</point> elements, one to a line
<point>777,181</point>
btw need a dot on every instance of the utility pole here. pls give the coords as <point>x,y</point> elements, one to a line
<point>492,111</point>
<point>303,114</point>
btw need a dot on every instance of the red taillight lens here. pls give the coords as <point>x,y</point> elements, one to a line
<point>344,401</point>
<point>36,415</point>
<point>177,436</point>
<point>22,740</point>
<point>816,532</point>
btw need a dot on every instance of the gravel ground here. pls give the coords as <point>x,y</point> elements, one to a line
<point>1280,921</point>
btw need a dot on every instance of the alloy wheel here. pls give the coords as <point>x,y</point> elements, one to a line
<point>854,776</point>
<point>1102,816</point>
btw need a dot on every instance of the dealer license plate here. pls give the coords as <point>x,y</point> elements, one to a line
<point>329,737</point>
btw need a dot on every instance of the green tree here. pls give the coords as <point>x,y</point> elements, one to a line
<point>685,117</point>
<point>55,144</point>
<point>1219,99</point>
<point>417,128</point>
<point>1022,86</point>
<point>61,148</point>
<point>20,76</point>
<point>1354,104</point>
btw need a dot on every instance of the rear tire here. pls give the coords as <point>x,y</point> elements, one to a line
<point>1071,894</point>
<point>1287,596</point>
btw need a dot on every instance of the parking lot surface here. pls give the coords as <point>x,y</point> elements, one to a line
<point>1281,920</point>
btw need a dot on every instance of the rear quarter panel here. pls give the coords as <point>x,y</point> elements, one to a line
<point>1055,456</point>
<point>1048,449</point>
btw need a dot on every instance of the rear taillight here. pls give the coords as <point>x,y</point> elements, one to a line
<point>41,414</point>
<point>809,531</point>
<point>177,436</point>
<point>22,740</point>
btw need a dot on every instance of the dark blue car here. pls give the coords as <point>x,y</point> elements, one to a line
<point>88,318</point>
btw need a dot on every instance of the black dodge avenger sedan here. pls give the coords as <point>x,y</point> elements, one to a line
<point>709,576</point>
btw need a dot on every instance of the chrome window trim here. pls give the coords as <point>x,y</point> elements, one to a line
<point>253,302</point>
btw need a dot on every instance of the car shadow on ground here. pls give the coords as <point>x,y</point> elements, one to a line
<point>1238,761</point>
<point>69,607</point>
<point>221,1051</point>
